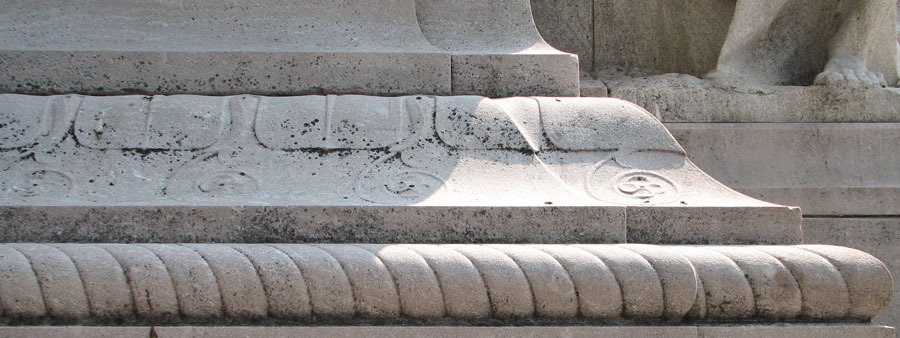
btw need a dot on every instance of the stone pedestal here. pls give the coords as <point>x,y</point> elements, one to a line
<point>314,168</point>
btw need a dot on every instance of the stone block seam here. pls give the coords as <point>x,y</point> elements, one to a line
<point>467,283</point>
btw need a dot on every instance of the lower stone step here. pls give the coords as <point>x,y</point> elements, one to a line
<point>734,331</point>
<point>420,284</point>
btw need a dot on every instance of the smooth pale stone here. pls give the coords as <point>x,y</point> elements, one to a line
<point>874,235</point>
<point>642,292</point>
<point>374,290</point>
<point>286,290</point>
<point>727,291</point>
<point>825,168</point>
<point>776,294</point>
<point>105,283</point>
<point>860,272</point>
<point>599,294</point>
<point>22,295</point>
<point>275,47</point>
<point>677,276</point>
<point>417,285</point>
<point>497,50</point>
<point>464,293</point>
<point>62,288</point>
<point>243,296</point>
<point>154,294</point>
<point>199,295</point>
<point>508,287</point>
<point>825,293</point>
<point>553,289</point>
<point>330,292</point>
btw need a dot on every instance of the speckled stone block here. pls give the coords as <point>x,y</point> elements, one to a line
<point>352,168</point>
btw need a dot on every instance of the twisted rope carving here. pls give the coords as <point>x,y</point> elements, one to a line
<point>456,282</point>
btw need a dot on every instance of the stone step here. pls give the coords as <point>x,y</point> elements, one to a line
<point>456,283</point>
<point>675,331</point>
<point>252,168</point>
<point>386,47</point>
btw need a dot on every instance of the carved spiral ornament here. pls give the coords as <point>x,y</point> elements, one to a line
<point>229,283</point>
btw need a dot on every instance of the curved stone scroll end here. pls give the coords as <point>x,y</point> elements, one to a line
<point>603,124</point>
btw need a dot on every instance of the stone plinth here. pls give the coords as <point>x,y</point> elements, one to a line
<point>361,169</point>
<point>386,47</point>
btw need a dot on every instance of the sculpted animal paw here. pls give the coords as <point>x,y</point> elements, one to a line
<point>849,77</point>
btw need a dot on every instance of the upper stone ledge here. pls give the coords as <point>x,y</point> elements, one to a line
<point>274,47</point>
<point>437,284</point>
<point>681,98</point>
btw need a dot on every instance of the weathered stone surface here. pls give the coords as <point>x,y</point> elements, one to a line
<point>746,43</point>
<point>311,224</point>
<point>862,331</point>
<point>496,50</point>
<point>797,331</point>
<point>569,25</point>
<point>684,98</point>
<point>360,169</point>
<point>391,283</point>
<point>825,168</point>
<point>877,236</point>
<point>75,331</point>
<point>386,47</point>
<point>663,35</point>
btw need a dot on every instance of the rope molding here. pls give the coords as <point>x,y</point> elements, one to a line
<point>451,282</point>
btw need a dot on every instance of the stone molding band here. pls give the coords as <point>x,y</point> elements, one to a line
<point>370,283</point>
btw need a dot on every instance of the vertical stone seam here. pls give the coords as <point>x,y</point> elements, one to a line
<point>622,311</point>
<point>70,122</point>
<point>255,116</point>
<point>36,279</point>
<point>302,277</point>
<point>593,66</point>
<point>127,277</point>
<point>258,277</point>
